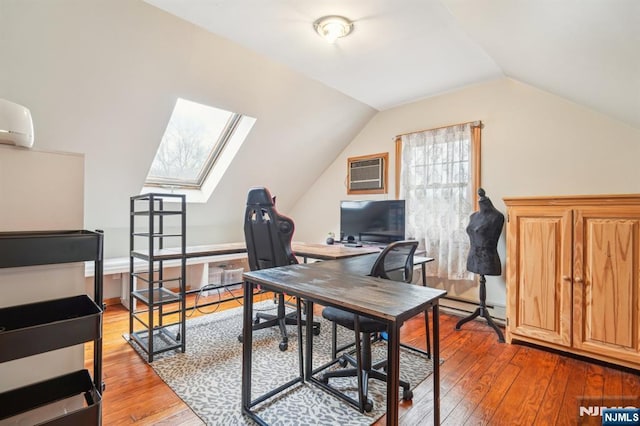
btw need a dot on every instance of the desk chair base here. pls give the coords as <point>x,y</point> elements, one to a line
<point>369,370</point>
<point>482,311</point>
<point>281,320</point>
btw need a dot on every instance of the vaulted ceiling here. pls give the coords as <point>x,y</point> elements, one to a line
<point>102,77</point>
<point>587,51</point>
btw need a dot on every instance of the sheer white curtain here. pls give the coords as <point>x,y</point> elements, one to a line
<point>436,182</point>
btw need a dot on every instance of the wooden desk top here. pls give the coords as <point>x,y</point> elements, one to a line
<point>315,251</point>
<point>374,297</point>
<point>362,265</point>
<point>330,252</point>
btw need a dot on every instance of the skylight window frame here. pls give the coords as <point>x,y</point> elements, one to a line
<point>224,136</point>
<point>214,154</point>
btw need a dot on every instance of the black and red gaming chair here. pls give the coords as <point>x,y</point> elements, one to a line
<point>268,236</point>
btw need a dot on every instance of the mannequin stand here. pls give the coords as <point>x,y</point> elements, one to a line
<point>482,311</point>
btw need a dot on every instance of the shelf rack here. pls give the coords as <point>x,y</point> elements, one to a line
<point>152,328</point>
<point>44,326</point>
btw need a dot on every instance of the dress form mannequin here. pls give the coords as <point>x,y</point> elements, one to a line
<point>484,229</point>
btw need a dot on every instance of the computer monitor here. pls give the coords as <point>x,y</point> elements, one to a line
<point>370,221</point>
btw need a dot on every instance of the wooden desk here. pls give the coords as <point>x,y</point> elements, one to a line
<point>330,252</point>
<point>387,301</point>
<point>362,265</point>
<point>305,250</point>
<point>210,251</point>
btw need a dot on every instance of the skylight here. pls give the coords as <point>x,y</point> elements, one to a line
<point>197,147</point>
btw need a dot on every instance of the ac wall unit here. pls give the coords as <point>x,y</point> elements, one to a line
<point>367,174</point>
<point>16,126</point>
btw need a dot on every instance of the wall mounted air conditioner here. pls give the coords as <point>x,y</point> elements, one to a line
<point>16,126</point>
<point>367,174</point>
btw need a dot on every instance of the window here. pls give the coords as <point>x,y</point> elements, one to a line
<point>438,176</point>
<point>197,147</point>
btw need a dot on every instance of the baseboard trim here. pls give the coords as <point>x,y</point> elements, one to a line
<point>462,308</point>
<point>112,301</point>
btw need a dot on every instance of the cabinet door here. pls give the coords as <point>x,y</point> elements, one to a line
<point>539,274</point>
<point>606,281</point>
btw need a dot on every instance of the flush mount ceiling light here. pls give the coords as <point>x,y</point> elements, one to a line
<point>333,27</point>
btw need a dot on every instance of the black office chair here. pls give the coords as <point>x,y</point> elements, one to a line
<point>395,262</point>
<point>268,237</point>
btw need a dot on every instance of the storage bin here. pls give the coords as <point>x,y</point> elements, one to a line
<point>48,247</point>
<point>214,279</point>
<point>215,275</point>
<point>35,328</point>
<point>71,399</point>
<point>232,276</point>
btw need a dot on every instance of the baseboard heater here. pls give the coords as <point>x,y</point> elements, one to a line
<point>463,307</point>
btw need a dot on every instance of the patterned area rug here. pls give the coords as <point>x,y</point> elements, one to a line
<point>207,377</point>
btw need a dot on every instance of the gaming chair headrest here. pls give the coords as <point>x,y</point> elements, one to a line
<point>259,197</point>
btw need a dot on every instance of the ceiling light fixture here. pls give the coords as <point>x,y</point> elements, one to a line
<point>333,27</point>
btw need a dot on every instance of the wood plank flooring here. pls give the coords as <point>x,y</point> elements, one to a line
<point>483,382</point>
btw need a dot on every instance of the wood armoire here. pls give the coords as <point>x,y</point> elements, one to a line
<point>573,279</point>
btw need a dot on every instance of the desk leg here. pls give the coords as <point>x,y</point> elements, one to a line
<point>362,386</point>
<point>436,364</point>
<point>308,305</point>
<point>426,313</point>
<point>299,326</point>
<point>393,373</point>
<point>247,343</point>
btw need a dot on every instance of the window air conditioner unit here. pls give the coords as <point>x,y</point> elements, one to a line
<point>367,174</point>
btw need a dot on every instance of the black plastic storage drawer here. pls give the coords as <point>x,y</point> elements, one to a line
<point>47,247</point>
<point>44,326</point>
<point>71,399</point>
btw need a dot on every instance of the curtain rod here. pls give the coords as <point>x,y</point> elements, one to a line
<point>473,123</point>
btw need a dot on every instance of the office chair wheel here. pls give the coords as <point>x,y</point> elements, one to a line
<point>342,361</point>
<point>283,346</point>
<point>256,321</point>
<point>324,379</point>
<point>316,330</point>
<point>240,338</point>
<point>368,406</point>
<point>407,394</point>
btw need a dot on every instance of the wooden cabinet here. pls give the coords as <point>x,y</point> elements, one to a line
<point>573,280</point>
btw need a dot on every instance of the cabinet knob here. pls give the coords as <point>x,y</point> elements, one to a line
<point>566,277</point>
<point>578,279</point>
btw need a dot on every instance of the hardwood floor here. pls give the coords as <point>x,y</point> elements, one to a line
<point>482,381</point>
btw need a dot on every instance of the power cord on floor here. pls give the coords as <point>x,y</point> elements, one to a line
<point>210,287</point>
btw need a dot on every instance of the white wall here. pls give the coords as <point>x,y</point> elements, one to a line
<point>40,191</point>
<point>533,143</point>
<point>101,77</point>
